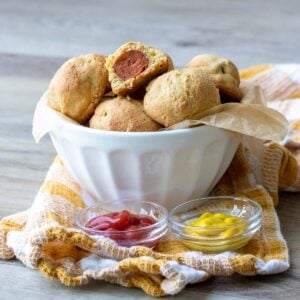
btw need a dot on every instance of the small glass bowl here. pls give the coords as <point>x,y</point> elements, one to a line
<point>249,210</point>
<point>146,236</point>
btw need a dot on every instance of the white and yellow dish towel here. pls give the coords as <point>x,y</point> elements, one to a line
<point>44,236</point>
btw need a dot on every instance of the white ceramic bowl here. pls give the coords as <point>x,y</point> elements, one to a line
<point>166,167</point>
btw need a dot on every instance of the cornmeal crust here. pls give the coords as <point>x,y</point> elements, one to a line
<point>179,95</point>
<point>78,86</point>
<point>122,114</point>
<point>224,73</point>
<point>158,63</point>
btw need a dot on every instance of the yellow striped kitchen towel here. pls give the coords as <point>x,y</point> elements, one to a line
<point>44,237</point>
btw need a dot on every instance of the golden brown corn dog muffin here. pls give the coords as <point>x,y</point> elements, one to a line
<point>122,114</point>
<point>224,73</point>
<point>134,65</point>
<point>179,95</point>
<point>78,86</point>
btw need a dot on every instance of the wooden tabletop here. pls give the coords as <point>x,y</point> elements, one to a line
<point>37,36</point>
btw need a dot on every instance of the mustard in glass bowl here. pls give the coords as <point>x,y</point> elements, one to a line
<point>216,224</point>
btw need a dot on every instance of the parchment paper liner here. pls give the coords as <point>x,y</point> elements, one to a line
<point>250,117</point>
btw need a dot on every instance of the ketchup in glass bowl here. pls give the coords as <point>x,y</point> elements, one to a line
<point>127,222</point>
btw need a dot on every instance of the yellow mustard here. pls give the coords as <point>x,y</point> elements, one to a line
<point>213,228</point>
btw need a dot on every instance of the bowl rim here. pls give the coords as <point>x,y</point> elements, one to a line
<point>217,198</point>
<point>134,134</point>
<point>156,225</point>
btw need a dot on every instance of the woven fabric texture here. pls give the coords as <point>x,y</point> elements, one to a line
<point>44,237</point>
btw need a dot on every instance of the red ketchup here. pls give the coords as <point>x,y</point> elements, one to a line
<point>125,228</point>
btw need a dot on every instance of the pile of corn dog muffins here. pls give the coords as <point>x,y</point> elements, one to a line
<point>137,88</point>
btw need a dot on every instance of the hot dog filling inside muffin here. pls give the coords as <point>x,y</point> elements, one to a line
<point>130,64</point>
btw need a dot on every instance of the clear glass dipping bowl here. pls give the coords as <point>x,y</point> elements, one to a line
<point>147,236</point>
<point>249,210</point>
